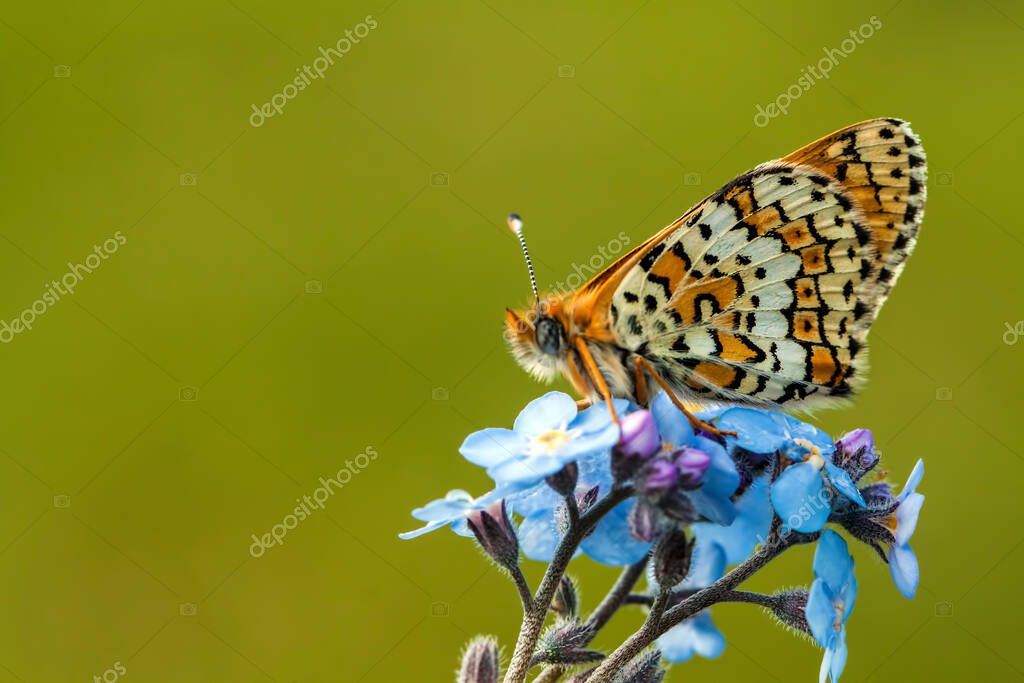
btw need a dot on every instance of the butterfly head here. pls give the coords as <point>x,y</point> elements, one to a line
<point>537,336</point>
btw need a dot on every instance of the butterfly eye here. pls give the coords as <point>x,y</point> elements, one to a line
<point>549,335</point>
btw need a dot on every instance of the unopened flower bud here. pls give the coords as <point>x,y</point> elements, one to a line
<point>565,601</point>
<point>587,500</point>
<point>658,475</point>
<point>855,453</point>
<point>672,558</point>
<point>565,642</point>
<point>678,506</point>
<point>639,442</point>
<point>564,480</point>
<point>480,662</point>
<point>643,669</point>
<point>692,463</point>
<point>493,530</point>
<point>790,609</point>
<point>640,438</point>
<point>643,521</point>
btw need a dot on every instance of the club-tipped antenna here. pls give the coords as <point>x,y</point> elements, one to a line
<point>515,224</point>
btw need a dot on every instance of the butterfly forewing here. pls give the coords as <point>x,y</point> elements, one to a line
<point>763,292</point>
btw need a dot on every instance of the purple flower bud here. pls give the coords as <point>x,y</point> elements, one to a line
<point>480,661</point>
<point>692,463</point>
<point>857,440</point>
<point>855,453</point>
<point>643,521</point>
<point>493,530</point>
<point>658,476</point>
<point>639,435</point>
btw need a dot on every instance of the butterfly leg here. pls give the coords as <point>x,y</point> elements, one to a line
<point>643,365</point>
<point>583,404</point>
<point>595,376</point>
<point>639,381</point>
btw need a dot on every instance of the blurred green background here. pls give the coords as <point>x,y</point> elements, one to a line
<point>292,294</point>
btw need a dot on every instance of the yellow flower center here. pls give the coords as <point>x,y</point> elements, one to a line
<point>550,441</point>
<point>814,453</point>
<point>840,608</point>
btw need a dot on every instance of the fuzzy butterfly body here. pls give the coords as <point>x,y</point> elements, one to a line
<point>763,293</point>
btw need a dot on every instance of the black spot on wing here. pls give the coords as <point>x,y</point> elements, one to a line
<point>647,262</point>
<point>661,281</point>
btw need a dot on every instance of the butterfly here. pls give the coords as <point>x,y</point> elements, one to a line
<point>762,294</point>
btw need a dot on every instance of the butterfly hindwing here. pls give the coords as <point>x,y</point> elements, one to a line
<point>882,165</point>
<point>754,295</point>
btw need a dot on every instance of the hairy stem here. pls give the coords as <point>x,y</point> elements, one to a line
<point>522,586</point>
<point>533,618</point>
<point>655,626</point>
<point>616,597</point>
<point>611,603</point>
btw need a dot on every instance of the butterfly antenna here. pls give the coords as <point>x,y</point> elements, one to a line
<point>515,224</point>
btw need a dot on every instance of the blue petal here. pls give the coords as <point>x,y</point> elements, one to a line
<point>433,526</point>
<point>716,508</point>
<point>721,477</point>
<point>837,656</point>
<point>595,470</point>
<point>611,543</point>
<point>800,498</point>
<point>673,426</point>
<point>597,416</point>
<point>904,569</point>
<point>840,478</point>
<point>906,517</point>
<point>533,499</point>
<point>600,440</point>
<point>461,528</point>
<point>526,469</point>
<point>707,565</point>
<point>803,430</point>
<point>850,597</point>
<point>750,528</point>
<point>697,635</point>
<point>913,480</point>
<point>832,561</point>
<point>756,431</point>
<point>820,612</point>
<point>454,504</point>
<point>553,410</point>
<point>538,536</point>
<point>834,659</point>
<point>488,447</point>
<point>720,481</point>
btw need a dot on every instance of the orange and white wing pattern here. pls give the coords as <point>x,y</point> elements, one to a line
<point>882,165</point>
<point>763,293</point>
